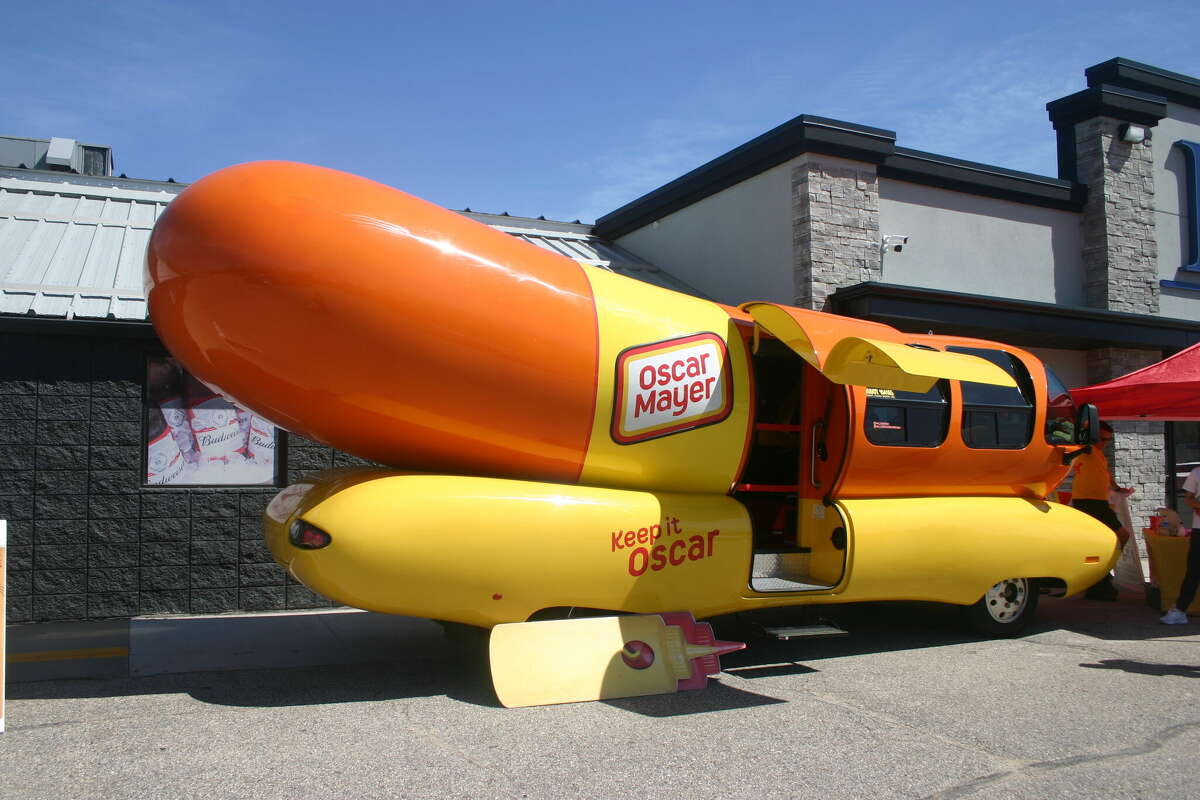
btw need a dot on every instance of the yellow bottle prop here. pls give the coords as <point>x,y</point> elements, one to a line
<point>599,658</point>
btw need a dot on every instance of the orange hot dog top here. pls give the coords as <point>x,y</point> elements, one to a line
<point>437,338</point>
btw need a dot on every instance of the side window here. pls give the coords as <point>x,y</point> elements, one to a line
<point>997,417</point>
<point>908,419</point>
<point>1060,411</point>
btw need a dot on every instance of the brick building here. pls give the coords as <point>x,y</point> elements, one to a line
<point>1093,269</point>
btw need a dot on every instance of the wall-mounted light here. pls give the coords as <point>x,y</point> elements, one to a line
<point>1133,134</point>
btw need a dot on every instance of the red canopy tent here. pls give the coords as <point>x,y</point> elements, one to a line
<point>1168,390</point>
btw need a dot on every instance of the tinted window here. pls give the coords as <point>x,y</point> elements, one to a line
<point>908,419</point>
<point>997,417</point>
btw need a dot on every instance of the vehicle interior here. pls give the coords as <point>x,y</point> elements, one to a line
<point>780,486</point>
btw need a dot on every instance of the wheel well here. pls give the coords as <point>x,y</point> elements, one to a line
<point>570,612</point>
<point>1055,587</point>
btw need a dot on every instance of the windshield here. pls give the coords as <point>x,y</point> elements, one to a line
<point>1060,411</point>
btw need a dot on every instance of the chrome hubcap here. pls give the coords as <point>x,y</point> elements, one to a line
<point>1006,599</point>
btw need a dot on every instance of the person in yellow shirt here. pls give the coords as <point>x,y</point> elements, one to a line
<point>1089,493</point>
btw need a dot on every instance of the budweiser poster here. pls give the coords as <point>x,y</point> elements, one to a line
<point>195,437</point>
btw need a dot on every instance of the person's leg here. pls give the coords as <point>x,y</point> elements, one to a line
<point>1191,579</point>
<point>1104,589</point>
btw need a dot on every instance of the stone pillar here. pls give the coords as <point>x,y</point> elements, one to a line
<point>1120,255</point>
<point>1136,457</point>
<point>835,226</point>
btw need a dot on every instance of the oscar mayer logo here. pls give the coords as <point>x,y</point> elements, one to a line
<point>670,386</point>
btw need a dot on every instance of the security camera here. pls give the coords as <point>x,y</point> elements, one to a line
<point>895,243</point>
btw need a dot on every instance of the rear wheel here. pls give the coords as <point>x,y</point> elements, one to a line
<point>1006,609</point>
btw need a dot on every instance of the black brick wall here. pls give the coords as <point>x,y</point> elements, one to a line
<point>86,539</point>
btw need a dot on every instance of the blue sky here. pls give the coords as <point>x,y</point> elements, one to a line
<point>563,109</point>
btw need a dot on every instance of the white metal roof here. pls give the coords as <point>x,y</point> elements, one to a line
<point>575,240</point>
<point>73,246</point>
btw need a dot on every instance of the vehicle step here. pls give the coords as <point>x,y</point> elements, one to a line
<point>786,632</point>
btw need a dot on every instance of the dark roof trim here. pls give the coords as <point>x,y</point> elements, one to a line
<point>1127,105</point>
<point>803,134</point>
<point>1019,322</point>
<point>970,177</point>
<point>28,323</point>
<point>806,134</point>
<point>1177,88</point>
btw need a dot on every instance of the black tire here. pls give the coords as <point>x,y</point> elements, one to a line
<point>1006,609</point>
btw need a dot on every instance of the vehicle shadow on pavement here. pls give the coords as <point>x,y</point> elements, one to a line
<point>423,676</point>
<point>1129,618</point>
<point>717,697</point>
<point>885,627</point>
<point>448,668</point>
<point>435,671</point>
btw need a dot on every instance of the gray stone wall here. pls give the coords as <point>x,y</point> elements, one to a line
<point>835,227</point>
<point>1120,258</point>
<point>1137,456</point>
<point>1120,254</point>
<point>86,539</point>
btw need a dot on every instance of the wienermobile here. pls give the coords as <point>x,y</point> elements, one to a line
<point>558,437</point>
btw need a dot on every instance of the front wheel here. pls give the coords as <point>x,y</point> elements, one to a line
<point>1006,609</point>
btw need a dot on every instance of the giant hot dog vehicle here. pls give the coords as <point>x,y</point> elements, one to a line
<point>558,437</point>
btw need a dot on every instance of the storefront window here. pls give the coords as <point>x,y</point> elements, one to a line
<point>194,437</point>
<point>1186,438</point>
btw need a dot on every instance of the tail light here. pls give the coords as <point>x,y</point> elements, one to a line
<point>308,536</point>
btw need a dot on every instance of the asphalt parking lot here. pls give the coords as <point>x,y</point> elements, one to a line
<point>1098,700</point>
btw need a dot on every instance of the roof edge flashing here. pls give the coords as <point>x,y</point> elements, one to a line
<point>1174,86</point>
<point>1119,102</point>
<point>985,180</point>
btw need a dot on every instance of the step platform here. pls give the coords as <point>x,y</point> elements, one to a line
<point>788,632</point>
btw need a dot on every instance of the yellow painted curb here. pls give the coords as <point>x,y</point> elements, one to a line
<point>67,655</point>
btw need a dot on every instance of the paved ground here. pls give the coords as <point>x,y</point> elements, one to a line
<point>1098,701</point>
